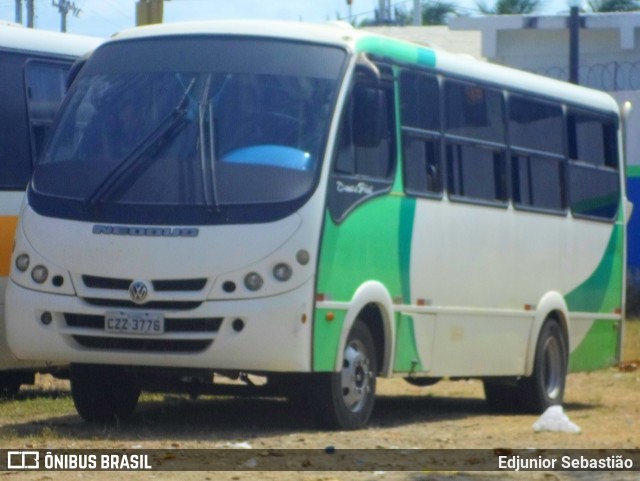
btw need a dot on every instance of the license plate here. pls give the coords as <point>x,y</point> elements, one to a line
<point>134,322</point>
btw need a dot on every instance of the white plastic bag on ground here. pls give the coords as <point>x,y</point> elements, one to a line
<point>554,419</point>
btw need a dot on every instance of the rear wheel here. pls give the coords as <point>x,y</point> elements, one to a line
<point>104,394</point>
<point>344,400</point>
<point>545,386</point>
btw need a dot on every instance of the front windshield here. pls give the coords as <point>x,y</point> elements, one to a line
<point>212,124</point>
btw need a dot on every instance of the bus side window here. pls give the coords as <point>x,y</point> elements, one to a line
<point>421,133</point>
<point>365,153</point>
<point>15,158</point>
<point>45,86</point>
<point>594,187</point>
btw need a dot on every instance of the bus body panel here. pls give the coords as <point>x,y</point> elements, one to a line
<point>269,323</point>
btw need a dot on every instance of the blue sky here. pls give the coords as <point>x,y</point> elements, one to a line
<point>104,17</point>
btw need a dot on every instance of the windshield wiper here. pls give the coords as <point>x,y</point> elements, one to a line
<point>208,149</point>
<point>166,128</point>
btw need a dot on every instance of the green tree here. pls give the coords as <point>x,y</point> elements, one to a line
<point>509,7</point>
<point>434,12</point>
<point>602,6</point>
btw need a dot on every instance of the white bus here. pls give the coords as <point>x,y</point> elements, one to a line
<point>33,67</point>
<point>320,206</point>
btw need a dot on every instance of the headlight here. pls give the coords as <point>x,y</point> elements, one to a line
<point>282,272</point>
<point>39,274</point>
<point>22,262</point>
<point>253,281</point>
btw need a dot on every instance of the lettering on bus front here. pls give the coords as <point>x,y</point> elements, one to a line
<point>146,231</point>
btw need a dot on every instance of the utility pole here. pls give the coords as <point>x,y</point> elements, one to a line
<point>31,13</point>
<point>384,12</point>
<point>149,12</point>
<point>417,12</point>
<point>574,45</point>
<point>64,7</point>
<point>18,11</point>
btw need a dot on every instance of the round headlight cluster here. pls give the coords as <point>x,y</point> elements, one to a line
<point>253,281</point>
<point>281,272</point>
<point>39,273</point>
<point>22,262</point>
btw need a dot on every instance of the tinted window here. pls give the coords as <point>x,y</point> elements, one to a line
<point>420,116</point>
<point>422,166</point>
<point>45,90</point>
<point>419,101</point>
<point>15,154</point>
<point>592,139</point>
<point>538,182</point>
<point>535,125</point>
<point>474,111</point>
<point>594,176</point>
<point>476,172</point>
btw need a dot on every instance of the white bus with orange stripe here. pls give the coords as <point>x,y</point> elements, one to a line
<point>33,69</point>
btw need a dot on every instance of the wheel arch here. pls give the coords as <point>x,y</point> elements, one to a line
<point>372,304</point>
<point>551,306</point>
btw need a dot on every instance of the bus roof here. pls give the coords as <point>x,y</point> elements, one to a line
<point>355,40</point>
<point>17,38</point>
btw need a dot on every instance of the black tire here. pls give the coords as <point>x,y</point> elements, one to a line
<point>10,382</point>
<point>501,398</point>
<point>545,386</point>
<point>344,400</point>
<point>103,394</point>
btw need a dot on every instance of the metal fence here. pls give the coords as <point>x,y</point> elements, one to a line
<point>610,77</point>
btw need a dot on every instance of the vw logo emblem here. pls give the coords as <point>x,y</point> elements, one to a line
<point>138,291</point>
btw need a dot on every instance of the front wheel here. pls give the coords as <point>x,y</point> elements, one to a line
<point>104,394</point>
<point>345,399</point>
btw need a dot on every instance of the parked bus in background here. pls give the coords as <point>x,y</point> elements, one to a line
<point>320,206</point>
<point>33,68</point>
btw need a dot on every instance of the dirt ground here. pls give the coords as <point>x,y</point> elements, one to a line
<point>604,404</point>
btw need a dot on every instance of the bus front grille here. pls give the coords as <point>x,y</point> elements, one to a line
<point>126,304</point>
<point>142,345</point>
<point>159,285</point>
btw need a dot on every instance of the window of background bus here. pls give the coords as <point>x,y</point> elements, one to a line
<point>30,94</point>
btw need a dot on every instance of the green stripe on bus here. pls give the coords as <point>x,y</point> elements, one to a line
<point>600,293</point>
<point>407,358</point>
<point>372,244</point>
<point>397,50</point>
<point>326,335</point>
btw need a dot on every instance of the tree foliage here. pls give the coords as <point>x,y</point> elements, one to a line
<point>509,7</point>
<point>434,12</point>
<point>603,6</point>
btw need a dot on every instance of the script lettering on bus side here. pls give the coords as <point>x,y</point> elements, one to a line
<point>143,231</point>
<point>359,188</point>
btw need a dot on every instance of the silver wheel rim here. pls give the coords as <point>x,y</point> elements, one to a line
<point>552,371</point>
<point>356,376</point>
